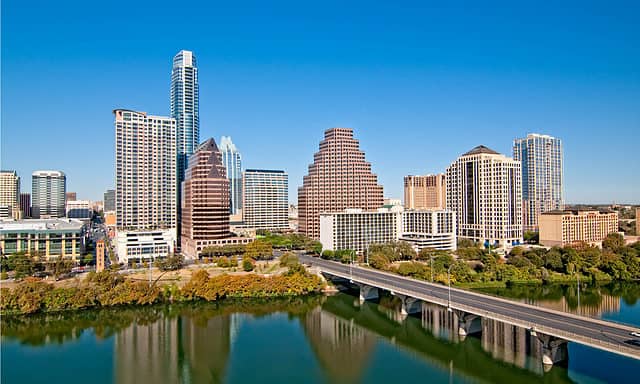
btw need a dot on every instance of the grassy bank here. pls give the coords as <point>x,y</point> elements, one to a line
<point>108,289</point>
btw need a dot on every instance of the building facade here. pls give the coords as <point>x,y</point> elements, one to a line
<point>144,246</point>
<point>542,177</point>
<point>47,239</point>
<point>356,229</point>
<point>425,192</point>
<point>205,201</point>
<point>145,171</point>
<point>637,221</point>
<point>185,106</point>
<point>110,200</point>
<point>48,194</point>
<point>71,196</point>
<point>25,204</point>
<point>232,161</point>
<point>79,209</point>
<point>265,199</point>
<point>560,228</point>
<point>10,194</point>
<point>339,178</point>
<point>484,189</point>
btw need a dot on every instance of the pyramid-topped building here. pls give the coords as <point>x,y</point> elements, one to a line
<point>205,200</point>
<point>339,178</point>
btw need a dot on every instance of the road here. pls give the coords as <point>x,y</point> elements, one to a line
<point>596,333</point>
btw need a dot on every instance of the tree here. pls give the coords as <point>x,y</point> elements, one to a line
<point>247,264</point>
<point>613,242</point>
<point>531,237</point>
<point>461,272</point>
<point>61,267</point>
<point>553,259</point>
<point>23,265</point>
<point>405,251</point>
<point>171,263</point>
<point>289,259</point>
<point>314,247</point>
<point>259,250</point>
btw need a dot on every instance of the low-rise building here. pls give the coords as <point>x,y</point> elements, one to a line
<point>566,227</point>
<point>45,238</point>
<point>140,246</point>
<point>357,229</point>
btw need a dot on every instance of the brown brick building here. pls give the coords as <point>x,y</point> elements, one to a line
<point>205,200</point>
<point>339,178</point>
<point>425,192</point>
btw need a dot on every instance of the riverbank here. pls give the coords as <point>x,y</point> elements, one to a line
<point>110,289</point>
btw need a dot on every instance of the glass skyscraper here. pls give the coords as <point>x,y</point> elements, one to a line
<point>48,189</point>
<point>541,158</point>
<point>184,108</point>
<point>232,161</point>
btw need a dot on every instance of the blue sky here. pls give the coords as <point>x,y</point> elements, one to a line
<point>419,82</point>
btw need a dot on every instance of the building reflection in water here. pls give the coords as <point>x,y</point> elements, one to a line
<point>341,347</point>
<point>174,350</point>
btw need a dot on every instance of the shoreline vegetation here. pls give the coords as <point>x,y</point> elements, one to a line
<point>111,289</point>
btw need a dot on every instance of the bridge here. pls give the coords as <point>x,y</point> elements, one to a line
<point>553,328</point>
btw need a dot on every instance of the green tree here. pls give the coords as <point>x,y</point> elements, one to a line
<point>259,250</point>
<point>247,264</point>
<point>613,242</point>
<point>553,260</point>
<point>531,237</point>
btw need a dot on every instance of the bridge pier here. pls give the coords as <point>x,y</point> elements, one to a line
<point>468,323</point>
<point>409,306</point>
<point>367,292</point>
<point>554,349</point>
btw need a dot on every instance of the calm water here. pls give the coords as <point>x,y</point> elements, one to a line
<point>311,340</point>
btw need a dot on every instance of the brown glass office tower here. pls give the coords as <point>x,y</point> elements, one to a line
<point>205,200</point>
<point>339,178</point>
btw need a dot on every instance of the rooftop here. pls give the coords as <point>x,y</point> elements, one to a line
<point>481,149</point>
<point>41,225</point>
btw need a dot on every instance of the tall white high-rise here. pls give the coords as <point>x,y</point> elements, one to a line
<point>9,194</point>
<point>265,199</point>
<point>184,107</point>
<point>48,194</point>
<point>484,189</point>
<point>541,159</point>
<point>145,171</point>
<point>232,160</point>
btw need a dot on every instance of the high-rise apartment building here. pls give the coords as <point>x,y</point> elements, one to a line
<point>110,200</point>
<point>205,200</point>
<point>541,161</point>
<point>145,171</point>
<point>25,204</point>
<point>232,161</point>
<point>265,199</point>
<point>425,192</point>
<point>9,194</point>
<point>184,107</point>
<point>484,189</point>
<point>48,189</point>
<point>339,178</point>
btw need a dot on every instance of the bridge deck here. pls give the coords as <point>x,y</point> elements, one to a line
<point>605,335</point>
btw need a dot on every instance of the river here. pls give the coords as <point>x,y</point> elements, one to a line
<point>316,339</point>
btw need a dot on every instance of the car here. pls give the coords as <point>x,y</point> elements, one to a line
<point>635,334</point>
<point>633,342</point>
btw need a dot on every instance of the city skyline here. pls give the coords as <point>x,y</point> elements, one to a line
<point>277,100</point>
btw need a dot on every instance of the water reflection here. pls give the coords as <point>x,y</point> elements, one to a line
<point>193,343</point>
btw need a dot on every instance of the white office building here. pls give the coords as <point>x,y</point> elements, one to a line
<point>48,194</point>
<point>484,189</point>
<point>79,209</point>
<point>542,179</point>
<point>265,199</point>
<point>357,229</point>
<point>141,246</point>
<point>145,172</point>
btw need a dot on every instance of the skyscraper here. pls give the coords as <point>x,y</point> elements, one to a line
<point>48,189</point>
<point>484,189</point>
<point>424,192</point>
<point>145,171</point>
<point>184,107</point>
<point>205,200</point>
<point>9,194</point>
<point>233,163</point>
<point>265,199</point>
<point>541,159</point>
<point>110,200</point>
<point>339,178</point>
<point>25,204</point>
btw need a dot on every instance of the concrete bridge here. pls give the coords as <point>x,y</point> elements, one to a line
<point>552,328</point>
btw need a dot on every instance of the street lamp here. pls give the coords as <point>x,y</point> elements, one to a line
<point>431,265</point>
<point>351,266</point>
<point>449,280</point>
<point>578,275</point>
